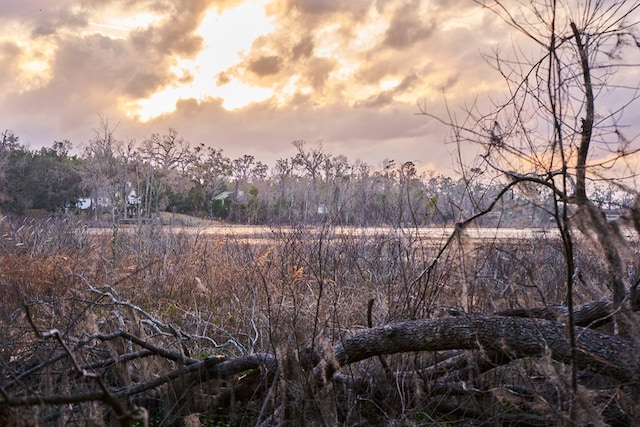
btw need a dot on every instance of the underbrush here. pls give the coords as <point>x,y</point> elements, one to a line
<point>113,320</point>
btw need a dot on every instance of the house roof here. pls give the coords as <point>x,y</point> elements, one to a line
<point>223,195</point>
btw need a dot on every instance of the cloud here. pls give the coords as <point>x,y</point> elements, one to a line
<point>174,35</point>
<point>322,59</point>
<point>378,66</point>
<point>223,78</point>
<point>303,49</point>
<point>346,72</point>
<point>314,45</point>
<point>317,72</point>
<point>407,84</point>
<point>167,39</point>
<point>407,27</point>
<point>96,63</point>
<point>143,83</point>
<point>387,97</point>
<point>50,22</point>
<point>354,8</point>
<point>366,135</point>
<point>266,65</point>
<point>379,100</point>
<point>10,53</point>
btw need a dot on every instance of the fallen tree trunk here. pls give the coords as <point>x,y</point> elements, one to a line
<point>250,378</point>
<point>513,337</point>
<point>592,314</point>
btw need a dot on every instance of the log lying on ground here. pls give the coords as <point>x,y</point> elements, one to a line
<point>209,369</point>
<point>498,338</point>
<point>591,314</point>
<point>513,337</point>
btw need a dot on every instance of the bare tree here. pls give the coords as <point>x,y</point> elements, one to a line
<point>551,131</point>
<point>166,151</point>
<point>102,170</point>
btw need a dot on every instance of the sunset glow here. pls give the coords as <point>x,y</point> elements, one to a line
<point>34,64</point>
<point>249,75</point>
<point>223,47</point>
<point>122,26</point>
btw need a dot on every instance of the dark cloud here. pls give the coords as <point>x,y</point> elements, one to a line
<point>374,69</point>
<point>91,75</point>
<point>98,62</point>
<point>379,100</point>
<point>406,27</point>
<point>31,10</point>
<point>266,65</point>
<point>325,7</point>
<point>9,52</point>
<point>222,79</point>
<point>50,22</point>
<point>407,84</point>
<point>387,97</point>
<point>201,114</point>
<point>42,18</point>
<point>167,39</point>
<point>451,81</point>
<point>142,84</point>
<point>174,35</point>
<point>300,99</point>
<point>368,135</point>
<point>9,57</point>
<point>317,72</point>
<point>303,49</point>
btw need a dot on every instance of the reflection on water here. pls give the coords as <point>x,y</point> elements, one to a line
<point>259,233</point>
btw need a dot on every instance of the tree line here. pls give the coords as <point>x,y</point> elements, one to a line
<point>112,180</point>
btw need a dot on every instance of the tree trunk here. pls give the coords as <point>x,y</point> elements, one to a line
<point>513,337</point>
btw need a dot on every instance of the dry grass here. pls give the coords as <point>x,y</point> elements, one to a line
<point>227,297</point>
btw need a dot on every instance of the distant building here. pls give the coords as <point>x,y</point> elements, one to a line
<point>83,203</point>
<point>226,195</point>
<point>613,214</point>
<point>132,206</point>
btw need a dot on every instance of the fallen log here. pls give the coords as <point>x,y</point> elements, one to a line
<point>591,314</point>
<point>514,337</point>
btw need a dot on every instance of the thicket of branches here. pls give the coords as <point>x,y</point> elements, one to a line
<point>303,326</point>
<point>325,326</point>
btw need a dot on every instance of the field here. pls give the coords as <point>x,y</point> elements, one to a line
<point>221,325</point>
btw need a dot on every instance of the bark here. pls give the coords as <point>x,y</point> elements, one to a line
<point>514,337</point>
<point>592,314</point>
<point>221,368</point>
<point>499,339</point>
<point>587,122</point>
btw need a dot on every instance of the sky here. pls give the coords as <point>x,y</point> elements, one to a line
<point>251,76</point>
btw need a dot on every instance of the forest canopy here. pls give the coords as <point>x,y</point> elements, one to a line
<point>113,181</point>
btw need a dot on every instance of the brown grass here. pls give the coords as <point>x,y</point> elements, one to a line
<point>230,297</point>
